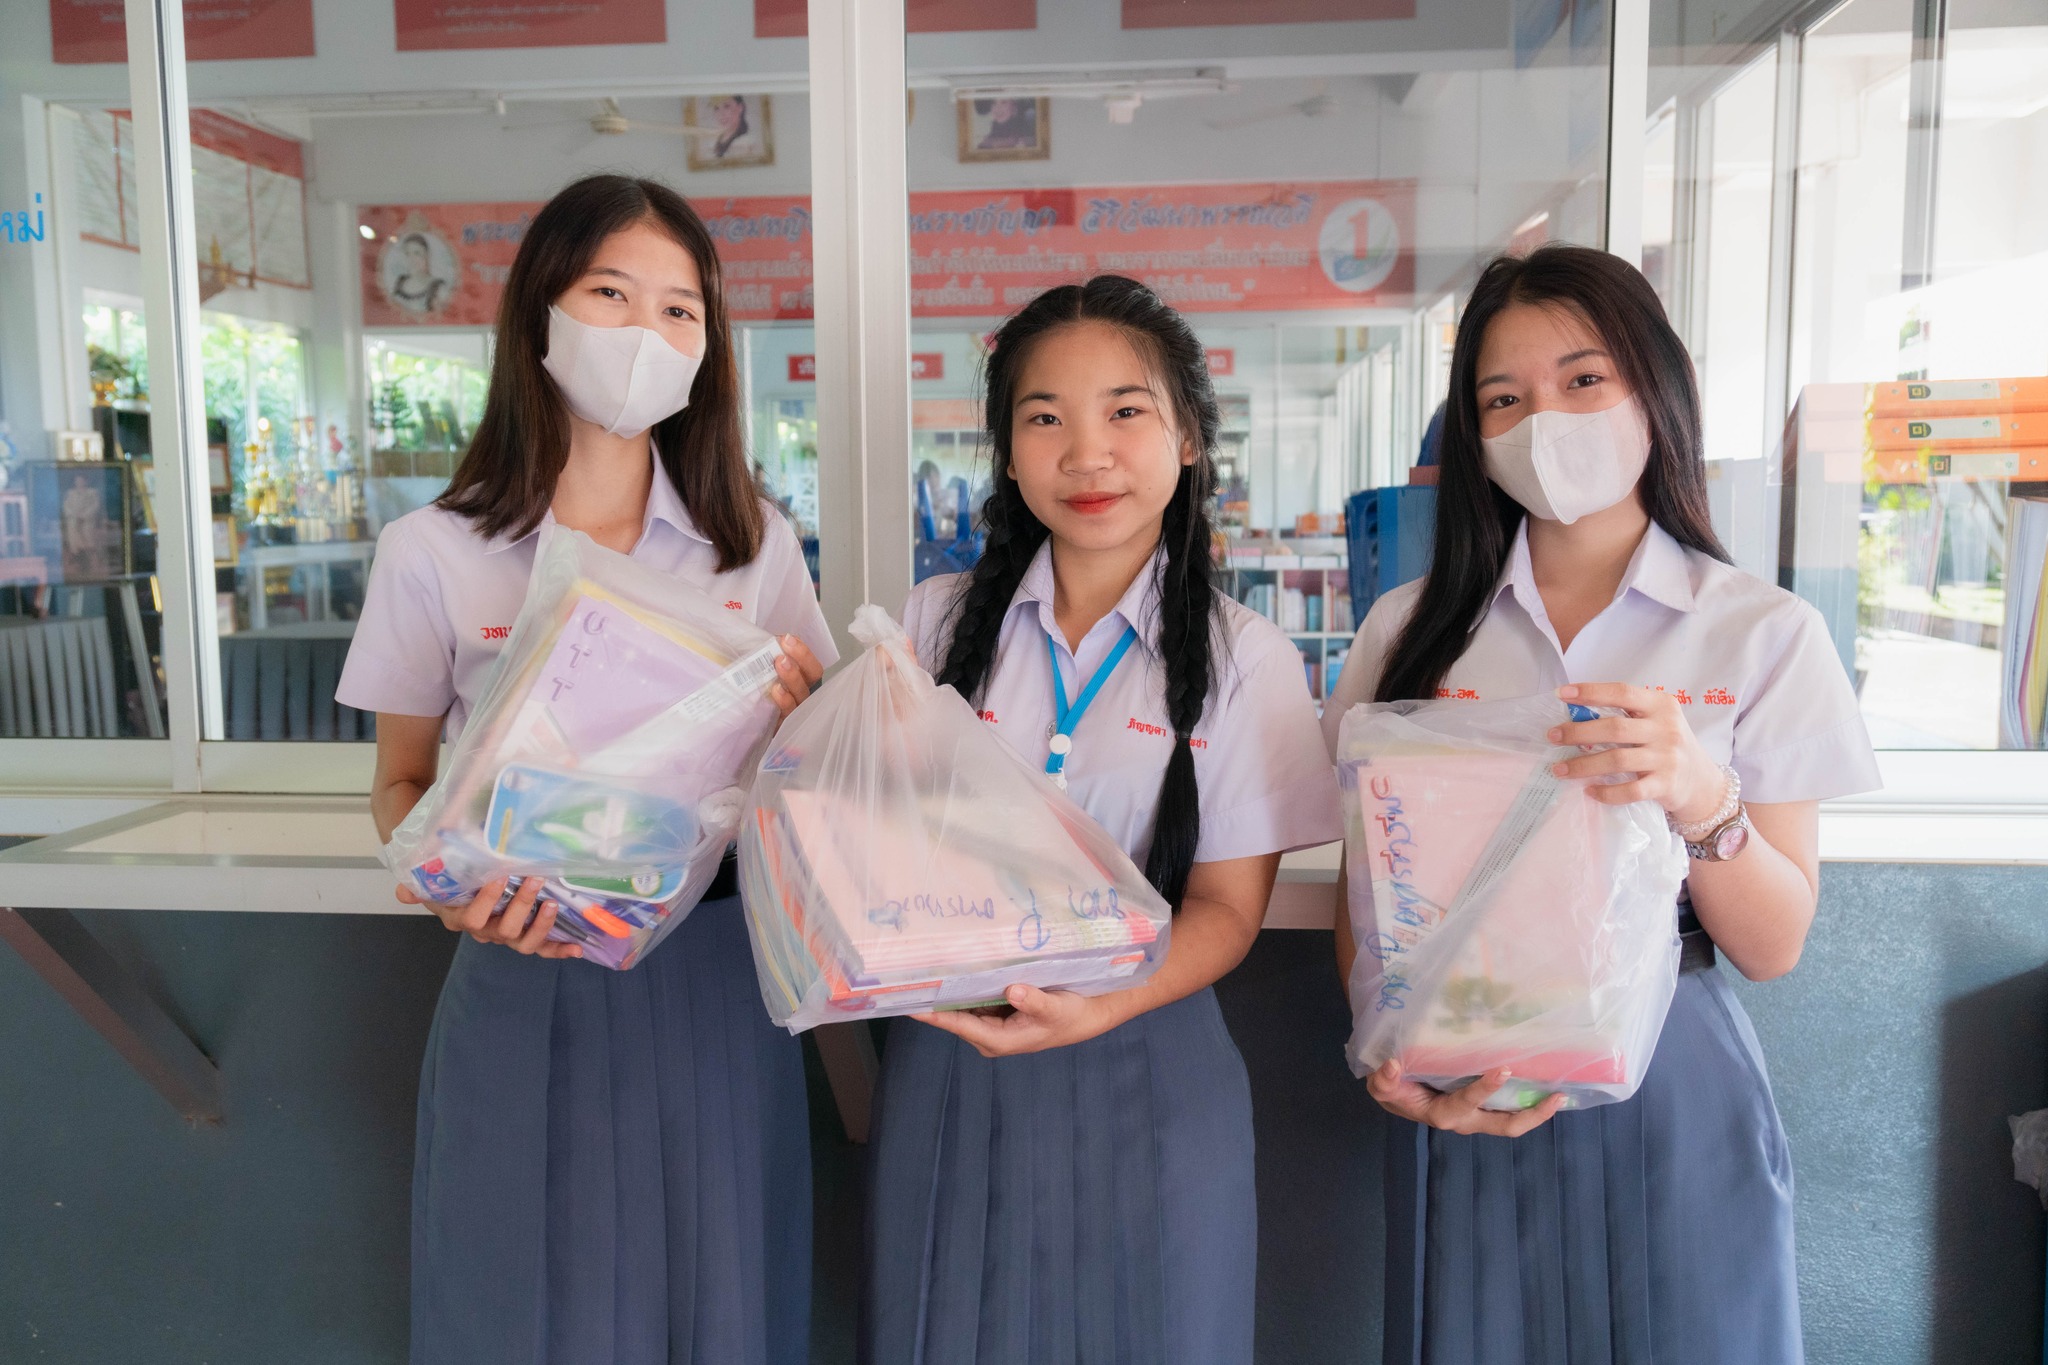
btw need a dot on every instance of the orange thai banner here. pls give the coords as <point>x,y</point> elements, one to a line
<point>438,25</point>
<point>84,31</point>
<point>1278,246</point>
<point>791,18</point>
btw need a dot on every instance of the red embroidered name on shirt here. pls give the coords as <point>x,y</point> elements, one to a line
<point>1461,694</point>
<point>1712,696</point>
<point>734,606</point>
<point>496,632</point>
<point>988,716</point>
<point>1142,728</point>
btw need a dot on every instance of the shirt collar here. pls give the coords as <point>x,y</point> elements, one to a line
<point>1138,607</point>
<point>663,504</point>
<point>1659,569</point>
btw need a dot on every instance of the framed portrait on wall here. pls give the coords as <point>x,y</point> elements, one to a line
<point>145,490</point>
<point>1005,129</point>
<point>218,476</point>
<point>226,549</point>
<point>735,130</point>
<point>78,517</point>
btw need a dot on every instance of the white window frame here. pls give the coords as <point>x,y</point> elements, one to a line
<point>862,323</point>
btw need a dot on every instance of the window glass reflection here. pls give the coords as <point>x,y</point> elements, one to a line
<point>80,604</point>
<point>1311,182</point>
<point>357,211</point>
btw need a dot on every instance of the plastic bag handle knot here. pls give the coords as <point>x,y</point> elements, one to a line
<point>872,627</point>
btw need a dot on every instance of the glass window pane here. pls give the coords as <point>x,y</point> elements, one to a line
<point>357,214</point>
<point>80,604</point>
<point>1707,250</point>
<point>1916,528</point>
<point>1990,565</point>
<point>1312,182</point>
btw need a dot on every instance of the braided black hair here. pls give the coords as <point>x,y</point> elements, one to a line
<point>1189,604</point>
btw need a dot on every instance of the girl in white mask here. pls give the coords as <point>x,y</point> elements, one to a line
<point>1574,553</point>
<point>610,1165</point>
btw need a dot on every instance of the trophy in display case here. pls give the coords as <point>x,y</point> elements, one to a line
<point>264,490</point>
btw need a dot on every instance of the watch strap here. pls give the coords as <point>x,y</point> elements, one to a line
<point>1731,801</point>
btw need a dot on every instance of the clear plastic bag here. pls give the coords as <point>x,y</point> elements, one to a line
<point>608,754</point>
<point>1502,917</point>
<point>898,857</point>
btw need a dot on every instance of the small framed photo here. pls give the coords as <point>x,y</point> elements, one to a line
<point>218,470</point>
<point>225,548</point>
<point>78,517</point>
<point>145,490</point>
<point>81,447</point>
<point>1005,129</point>
<point>736,130</point>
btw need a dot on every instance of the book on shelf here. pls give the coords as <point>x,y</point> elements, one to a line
<point>2023,691</point>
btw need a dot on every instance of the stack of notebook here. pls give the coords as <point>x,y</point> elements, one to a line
<point>898,857</point>
<point>1507,919</point>
<point>608,754</point>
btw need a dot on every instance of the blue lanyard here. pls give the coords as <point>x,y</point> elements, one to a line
<point>1066,717</point>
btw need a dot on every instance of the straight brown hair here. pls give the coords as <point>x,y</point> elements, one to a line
<point>507,476</point>
<point>1475,521</point>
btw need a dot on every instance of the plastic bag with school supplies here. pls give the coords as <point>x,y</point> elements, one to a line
<point>609,753</point>
<point>898,857</point>
<point>1502,916</point>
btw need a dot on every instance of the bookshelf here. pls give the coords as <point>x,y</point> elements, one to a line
<point>1301,584</point>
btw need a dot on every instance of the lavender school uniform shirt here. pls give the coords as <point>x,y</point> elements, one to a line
<point>1267,785</point>
<point>442,600</point>
<point>1752,666</point>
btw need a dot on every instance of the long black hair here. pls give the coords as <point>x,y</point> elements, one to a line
<point>1189,605</point>
<point>507,477</point>
<point>1475,520</point>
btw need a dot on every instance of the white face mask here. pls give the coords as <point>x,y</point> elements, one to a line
<point>1565,465</point>
<point>625,379</point>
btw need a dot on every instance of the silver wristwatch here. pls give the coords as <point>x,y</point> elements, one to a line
<point>1722,836</point>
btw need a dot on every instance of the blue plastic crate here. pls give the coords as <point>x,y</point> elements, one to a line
<point>1388,532</point>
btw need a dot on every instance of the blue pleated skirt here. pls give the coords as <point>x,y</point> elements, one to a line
<point>1655,1230</point>
<point>1087,1205</point>
<point>613,1168</point>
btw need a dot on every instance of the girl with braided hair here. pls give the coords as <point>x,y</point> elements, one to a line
<point>1068,1178</point>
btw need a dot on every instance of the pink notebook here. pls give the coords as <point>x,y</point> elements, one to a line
<point>1524,983</point>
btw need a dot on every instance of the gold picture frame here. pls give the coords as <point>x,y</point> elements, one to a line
<point>145,489</point>
<point>78,517</point>
<point>746,131</point>
<point>224,538</point>
<point>1004,128</point>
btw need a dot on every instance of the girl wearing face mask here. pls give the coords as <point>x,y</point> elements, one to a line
<point>1069,1179</point>
<point>611,1166</point>
<point>1574,554</point>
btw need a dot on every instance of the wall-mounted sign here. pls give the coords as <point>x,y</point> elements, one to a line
<point>248,196</point>
<point>1193,13</point>
<point>790,18</point>
<point>803,369</point>
<point>215,30</point>
<point>1222,361</point>
<point>437,25</point>
<point>1281,247</point>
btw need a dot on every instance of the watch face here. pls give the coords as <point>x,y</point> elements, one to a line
<point>1731,841</point>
